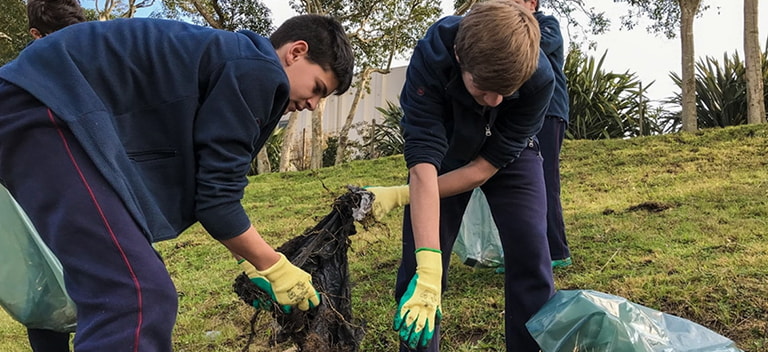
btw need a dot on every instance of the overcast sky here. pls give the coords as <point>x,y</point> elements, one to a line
<point>717,31</point>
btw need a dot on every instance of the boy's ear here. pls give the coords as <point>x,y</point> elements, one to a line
<point>35,33</point>
<point>296,50</point>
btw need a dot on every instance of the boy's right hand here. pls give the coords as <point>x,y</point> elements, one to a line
<point>291,286</point>
<point>261,282</point>
<point>387,198</point>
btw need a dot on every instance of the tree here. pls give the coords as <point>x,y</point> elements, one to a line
<point>231,15</point>
<point>14,34</point>
<point>668,17</point>
<point>379,30</point>
<point>286,144</point>
<point>721,91</point>
<point>753,65</point>
<point>110,9</point>
<point>318,141</point>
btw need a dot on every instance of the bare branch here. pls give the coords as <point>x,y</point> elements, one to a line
<point>207,16</point>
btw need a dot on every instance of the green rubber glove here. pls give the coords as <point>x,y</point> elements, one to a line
<point>419,308</point>
<point>291,285</point>
<point>388,198</point>
<point>262,282</point>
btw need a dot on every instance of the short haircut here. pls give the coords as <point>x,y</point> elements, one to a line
<point>49,16</point>
<point>328,44</point>
<point>498,44</point>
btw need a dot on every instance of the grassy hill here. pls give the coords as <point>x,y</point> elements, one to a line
<point>677,223</point>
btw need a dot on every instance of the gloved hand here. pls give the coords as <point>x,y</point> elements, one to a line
<point>262,282</point>
<point>291,285</point>
<point>387,198</point>
<point>419,308</point>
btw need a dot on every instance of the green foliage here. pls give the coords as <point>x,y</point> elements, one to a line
<point>231,15</point>
<point>572,12</point>
<point>605,104</point>
<point>721,98</point>
<point>329,153</point>
<point>386,138</point>
<point>379,30</point>
<point>674,222</point>
<point>273,152</point>
<point>14,29</point>
<point>274,142</point>
<point>665,14</point>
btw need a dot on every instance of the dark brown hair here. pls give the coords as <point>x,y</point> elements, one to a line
<point>49,16</point>
<point>498,44</point>
<point>329,45</point>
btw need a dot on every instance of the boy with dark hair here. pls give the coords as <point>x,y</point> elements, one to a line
<point>473,102</point>
<point>48,16</point>
<point>116,134</point>
<point>553,132</point>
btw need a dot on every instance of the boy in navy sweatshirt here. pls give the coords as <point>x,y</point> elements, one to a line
<point>117,134</point>
<point>473,101</point>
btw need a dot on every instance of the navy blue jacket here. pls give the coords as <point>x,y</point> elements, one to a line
<point>442,123</point>
<point>552,45</point>
<point>171,113</point>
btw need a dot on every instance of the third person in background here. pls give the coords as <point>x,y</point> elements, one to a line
<point>552,133</point>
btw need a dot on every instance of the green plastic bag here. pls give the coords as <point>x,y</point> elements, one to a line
<point>478,244</point>
<point>32,290</point>
<point>590,321</point>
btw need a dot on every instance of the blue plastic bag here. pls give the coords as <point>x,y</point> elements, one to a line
<point>32,290</point>
<point>582,320</point>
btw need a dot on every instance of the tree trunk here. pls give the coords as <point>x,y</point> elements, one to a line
<point>753,63</point>
<point>286,150</point>
<point>316,158</point>
<point>341,148</point>
<point>262,161</point>
<point>688,10</point>
<point>463,7</point>
<point>103,13</point>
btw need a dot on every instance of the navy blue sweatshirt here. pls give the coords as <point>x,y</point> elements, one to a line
<point>171,113</point>
<point>552,46</point>
<point>442,123</point>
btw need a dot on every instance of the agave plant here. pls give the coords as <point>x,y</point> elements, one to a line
<point>720,92</point>
<point>385,138</point>
<point>721,98</point>
<point>605,104</point>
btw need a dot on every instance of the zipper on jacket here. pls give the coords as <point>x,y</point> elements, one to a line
<point>491,120</point>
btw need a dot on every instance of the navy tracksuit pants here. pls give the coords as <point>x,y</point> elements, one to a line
<point>551,139</point>
<point>124,295</point>
<point>517,202</point>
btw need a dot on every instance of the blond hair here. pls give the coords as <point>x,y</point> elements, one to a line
<point>498,43</point>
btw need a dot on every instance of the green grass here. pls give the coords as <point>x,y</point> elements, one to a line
<point>677,223</point>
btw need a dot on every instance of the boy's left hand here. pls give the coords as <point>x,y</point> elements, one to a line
<point>387,198</point>
<point>419,309</point>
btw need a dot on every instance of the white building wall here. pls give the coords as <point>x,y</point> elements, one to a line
<point>383,88</point>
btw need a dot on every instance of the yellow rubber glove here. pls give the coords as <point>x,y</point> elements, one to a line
<point>388,198</point>
<point>261,282</point>
<point>419,308</point>
<point>291,285</point>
